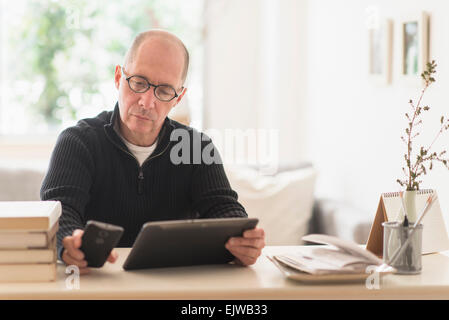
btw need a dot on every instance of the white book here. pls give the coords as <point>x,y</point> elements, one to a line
<point>21,256</point>
<point>29,215</point>
<point>12,239</point>
<point>27,256</point>
<point>27,272</point>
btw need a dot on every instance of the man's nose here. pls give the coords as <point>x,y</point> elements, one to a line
<point>147,99</point>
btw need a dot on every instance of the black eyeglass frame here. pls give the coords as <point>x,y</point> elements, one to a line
<point>149,86</point>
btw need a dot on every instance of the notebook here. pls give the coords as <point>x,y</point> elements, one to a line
<point>338,260</point>
<point>435,238</point>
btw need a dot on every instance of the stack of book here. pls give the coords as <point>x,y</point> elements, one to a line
<point>28,240</point>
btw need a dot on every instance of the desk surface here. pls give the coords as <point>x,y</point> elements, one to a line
<point>261,281</point>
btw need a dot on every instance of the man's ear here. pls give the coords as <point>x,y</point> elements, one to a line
<point>117,76</point>
<point>180,96</point>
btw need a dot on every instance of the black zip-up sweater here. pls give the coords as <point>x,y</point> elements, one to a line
<point>96,177</point>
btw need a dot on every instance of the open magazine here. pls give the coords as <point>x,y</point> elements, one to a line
<point>339,257</point>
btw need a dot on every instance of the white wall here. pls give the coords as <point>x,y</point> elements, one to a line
<point>333,115</point>
<point>254,67</point>
<point>232,57</point>
<point>355,126</point>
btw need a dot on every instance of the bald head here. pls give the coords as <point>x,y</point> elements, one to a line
<point>163,35</point>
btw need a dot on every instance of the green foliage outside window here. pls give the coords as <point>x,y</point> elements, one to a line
<point>65,51</point>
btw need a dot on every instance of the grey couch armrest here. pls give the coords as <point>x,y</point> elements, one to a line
<point>20,184</point>
<point>340,219</point>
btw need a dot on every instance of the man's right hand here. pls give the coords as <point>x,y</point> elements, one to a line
<point>72,255</point>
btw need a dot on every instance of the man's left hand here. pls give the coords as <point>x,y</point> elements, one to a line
<point>248,248</point>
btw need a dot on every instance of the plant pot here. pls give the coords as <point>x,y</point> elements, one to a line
<point>410,205</point>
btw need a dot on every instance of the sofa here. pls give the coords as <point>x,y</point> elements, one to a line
<point>284,202</point>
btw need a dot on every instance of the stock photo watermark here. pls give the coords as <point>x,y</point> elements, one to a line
<point>258,148</point>
<point>72,282</point>
<point>79,17</point>
<point>372,17</point>
<point>373,280</point>
<point>73,20</point>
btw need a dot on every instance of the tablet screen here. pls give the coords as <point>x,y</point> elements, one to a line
<point>185,242</point>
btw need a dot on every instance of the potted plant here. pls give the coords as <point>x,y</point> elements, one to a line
<point>420,163</point>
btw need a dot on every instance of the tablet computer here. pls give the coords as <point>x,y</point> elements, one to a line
<point>185,242</point>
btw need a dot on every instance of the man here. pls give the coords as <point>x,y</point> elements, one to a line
<point>117,167</point>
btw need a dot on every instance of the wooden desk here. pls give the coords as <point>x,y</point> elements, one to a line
<point>260,281</point>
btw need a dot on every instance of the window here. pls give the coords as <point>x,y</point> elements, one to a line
<point>57,58</point>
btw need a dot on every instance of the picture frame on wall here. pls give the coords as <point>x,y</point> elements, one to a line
<point>414,35</point>
<point>380,45</point>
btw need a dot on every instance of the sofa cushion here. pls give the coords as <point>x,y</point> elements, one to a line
<point>20,184</point>
<point>283,202</point>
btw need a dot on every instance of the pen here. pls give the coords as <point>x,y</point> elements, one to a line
<point>408,251</point>
<point>405,224</point>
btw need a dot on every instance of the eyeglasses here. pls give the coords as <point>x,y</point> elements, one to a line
<point>139,84</point>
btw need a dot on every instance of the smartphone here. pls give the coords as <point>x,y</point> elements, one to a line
<point>98,240</point>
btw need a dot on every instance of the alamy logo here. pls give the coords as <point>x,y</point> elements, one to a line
<point>257,148</point>
<point>373,280</point>
<point>372,17</point>
<point>73,15</point>
<point>72,282</point>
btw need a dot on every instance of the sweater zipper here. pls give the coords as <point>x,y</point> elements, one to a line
<point>140,181</point>
<point>140,176</point>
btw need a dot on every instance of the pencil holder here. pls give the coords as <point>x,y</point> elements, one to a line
<point>395,235</point>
